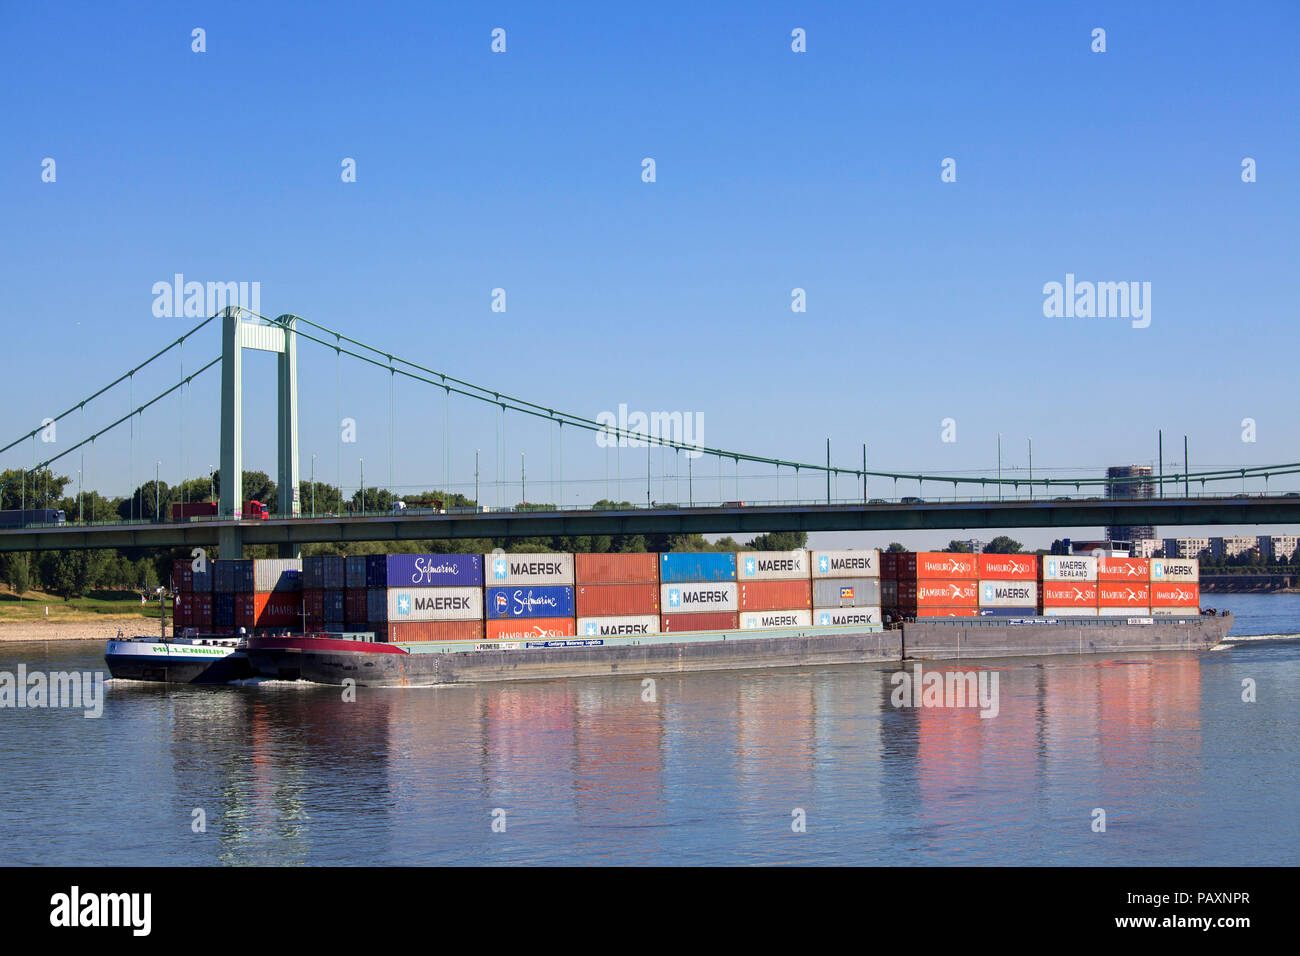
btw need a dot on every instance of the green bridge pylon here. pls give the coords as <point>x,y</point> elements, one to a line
<point>280,337</point>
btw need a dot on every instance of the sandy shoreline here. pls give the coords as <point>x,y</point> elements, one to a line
<point>99,630</point>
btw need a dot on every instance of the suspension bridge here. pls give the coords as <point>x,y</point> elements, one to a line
<point>942,501</point>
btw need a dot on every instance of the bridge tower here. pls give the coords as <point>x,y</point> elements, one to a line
<point>280,337</point>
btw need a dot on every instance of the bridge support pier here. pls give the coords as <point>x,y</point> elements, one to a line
<point>230,543</point>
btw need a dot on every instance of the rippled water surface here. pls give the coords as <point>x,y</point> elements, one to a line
<point>711,771</point>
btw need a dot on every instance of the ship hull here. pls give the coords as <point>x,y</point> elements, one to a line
<point>378,665</point>
<point>174,664</point>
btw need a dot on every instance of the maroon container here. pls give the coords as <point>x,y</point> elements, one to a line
<point>626,568</point>
<point>616,600</point>
<point>713,621</point>
<point>354,606</point>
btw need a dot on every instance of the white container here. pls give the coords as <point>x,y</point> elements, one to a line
<point>758,620</point>
<point>772,566</point>
<point>504,570</point>
<point>706,597</point>
<point>1123,612</point>
<point>846,564</point>
<point>626,626</point>
<point>1175,570</point>
<point>1009,594</point>
<point>846,592</point>
<point>1069,612</point>
<point>1069,567</point>
<point>434,604</point>
<point>846,617</point>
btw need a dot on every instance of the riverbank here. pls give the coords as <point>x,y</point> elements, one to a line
<point>94,629</point>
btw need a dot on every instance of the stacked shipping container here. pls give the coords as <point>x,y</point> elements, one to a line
<point>937,584</point>
<point>1067,586</point>
<point>428,597</point>
<point>847,588</point>
<point>616,594</point>
<point>1008,585</point>
<point>698,592</point>
<point>528,597</point>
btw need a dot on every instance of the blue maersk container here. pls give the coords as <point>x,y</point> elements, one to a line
<point>684,567</point>
<point>528,601</point>
<point>434,571</point>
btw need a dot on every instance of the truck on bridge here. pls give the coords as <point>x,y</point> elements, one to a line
<point>208,509</point>
<point>21,518</point>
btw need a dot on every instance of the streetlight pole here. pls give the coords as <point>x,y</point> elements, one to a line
<point>157,466</point>
<point>999,466</point>
<point>362,462</point>
<point>313,486</point>
<point>1031,469</point>
<point>476,451</point>
<point>523,481</point>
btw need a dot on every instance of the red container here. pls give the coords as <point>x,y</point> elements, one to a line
<point>182,574</point>
<point>313,605</point>
<point>775,595</point>
<point>354,606</point>
<point>1117,594</point>
<point>629,568</point>
<point>182,612</point>
<point>941,564</point>
<point>451,632</point>
<point>616,600</point>
<point>947,612</point>
<point>905,564</point>
<point>941,593</point>
<point>275,609</point>
<point>245,610</point>
<point>712,621</point>
<point>888,565</point>
<point>527,629</point>
<point>1176,595</point>
<point>200,611</point>
<point>1068,594</point>
<point>1007,567</point>
<point>1123,569</point>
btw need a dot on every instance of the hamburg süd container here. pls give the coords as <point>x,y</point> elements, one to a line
<point>434,570</point>
<point>1015,594</point>
<point>680,623</point>
<point>944,565</point>
<point>452,632</point>
<point>277,609</point>
<point>776,596</point>
<point>501,570</point>
<point>1123,569</point>
<point>772,566</point>
<point>620,626</point>
<point>431,604</point>
<point>617,600</point>
<point>544,601</point>
<point>752,620</point>
<point>622,568</point>
<point>699,597</point>
<point>1068,567</point>
<point>1070,611</point>
<point>1173,570</point>
<point>948,593</point>
<point>1120,594</point>
<point>1062,594</point>
<point>1108,611</point>
<point>1008,567</point>
<point>846,616</point>
<point>682,567</point>
<point>530,629</point>
<point>849,564</point>
<point>1182,595</point>
<point>846,592</point>
<point>947,612</point>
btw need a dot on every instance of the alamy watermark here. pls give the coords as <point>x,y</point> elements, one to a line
<point>1100,300</point>
<point>64,690</point>
<point>197,300</point>
<point>946,689</point>
<point>626,429</point>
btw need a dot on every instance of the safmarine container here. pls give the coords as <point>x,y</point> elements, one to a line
<point>629,568</point>
<point>1175,595</point>
<point>1174,570</point>
<point>1064,567</point>
<point>691,567</point>
<point>617,600</point>
<point>277,574</point>
<point>680,623</point>
<point>777,596</point>
<point>277,609</point>
<point>1120,594</point>
<point>758,620</point>
<point>850,564</point>
<point>545,601</point>
<point>772,566</point>
<point>1007,567</point>
<point>431,604</point>
<point>1123,569</point>
<point>1061,594</point>
<point>451,632</point>
<point>434,570</point>
<point>530,629</point>
<point>621,626</point>
<point>942,564</point>
<point>698,597</point>
<point>354,571</point>
<point>846,616</point>
<point>546,570</point>
<point>1013,594</point>
<point>846,592</point>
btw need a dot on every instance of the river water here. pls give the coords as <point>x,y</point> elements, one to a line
<point>717,768</point>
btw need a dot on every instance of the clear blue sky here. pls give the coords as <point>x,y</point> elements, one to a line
<point>775,170</point>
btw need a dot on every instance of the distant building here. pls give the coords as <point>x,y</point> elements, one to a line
<point>1185,547</point>
<point>1147,548</point>
<point>1278,547</point>
<point>1231,547</point>
<point>1130,481</point>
